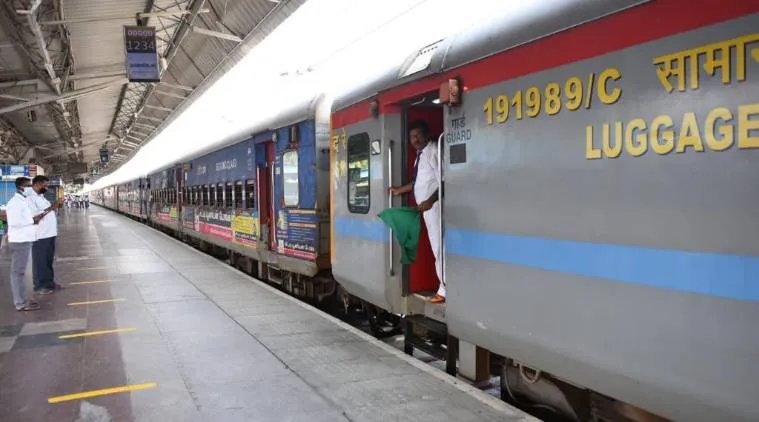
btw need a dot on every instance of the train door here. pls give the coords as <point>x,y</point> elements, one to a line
<point>420,277</point>
<point>265,194</point>
<point>364,257</point>
<point>180,197</point>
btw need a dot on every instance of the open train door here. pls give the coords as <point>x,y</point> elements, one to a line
<point>265,176</point>
<point>425,323</point>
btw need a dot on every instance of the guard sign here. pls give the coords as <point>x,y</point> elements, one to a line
<point>141,55</point>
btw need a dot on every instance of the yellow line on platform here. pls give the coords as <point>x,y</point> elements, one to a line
<point>103,392</point>
<point>90,282</point>
<point>92,302</point>
<point>97,333</point>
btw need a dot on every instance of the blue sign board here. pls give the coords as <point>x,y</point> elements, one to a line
<point>12,172</point>
<point>141,54</point>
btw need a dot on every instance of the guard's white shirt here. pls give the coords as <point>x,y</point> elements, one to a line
<point>426,174</point>
<point>21,227</point>
<point>48,226</point>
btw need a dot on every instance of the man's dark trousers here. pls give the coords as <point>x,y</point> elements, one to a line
<point>43,253</point>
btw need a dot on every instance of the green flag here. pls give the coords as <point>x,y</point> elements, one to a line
<point>406,223</point>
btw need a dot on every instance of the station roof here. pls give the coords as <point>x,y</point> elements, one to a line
<point>64,93</point>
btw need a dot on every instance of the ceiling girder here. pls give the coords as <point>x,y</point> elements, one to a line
<point>13,145</point>
<point>63,98</point>
<point>51,70</point>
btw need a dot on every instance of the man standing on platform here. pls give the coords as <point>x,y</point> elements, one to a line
<point>425,186</point>
<point>21,235</point>
<point>43,249</point>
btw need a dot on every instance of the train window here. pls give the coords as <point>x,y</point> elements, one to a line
<point>358,173</point>
<point>237,196</point>
<point>212,195</point>
<point>250,193</point>
<point>290,176</point>
<point>205,195</point>
<point>229,198</point>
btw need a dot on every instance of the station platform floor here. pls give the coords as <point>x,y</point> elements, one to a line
<point>149,329</point>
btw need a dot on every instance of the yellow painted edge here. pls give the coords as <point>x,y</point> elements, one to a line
<point>103,392</point>
<point>96,333</point>
<point>95,301</point>
<point>89,282</point>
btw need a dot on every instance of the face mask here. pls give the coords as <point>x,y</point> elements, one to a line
<point>28,191</point>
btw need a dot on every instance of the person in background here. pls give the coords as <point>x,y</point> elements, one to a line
<point>425,186</point>
<point>43,249</point>
<point>21,235</point>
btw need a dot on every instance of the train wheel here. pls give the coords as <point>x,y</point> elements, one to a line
<point>383,324</point>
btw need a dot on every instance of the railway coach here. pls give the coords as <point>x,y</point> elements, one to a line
<point>599,163</point>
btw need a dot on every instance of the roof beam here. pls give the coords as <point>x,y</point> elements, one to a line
<point>95,75</point>
<point>169,94</point>
<point>64,97</point>
<point>182,87</point>
<point>152,119</point>
<point>152,128</point>
<point>13,145</point>
<point>27,34</point>
<point>14,97</point>
<point>158,108</point>
<point>12,84</point>
<point>55,82</point>
<point>216,34</point>
<point>120,17</point>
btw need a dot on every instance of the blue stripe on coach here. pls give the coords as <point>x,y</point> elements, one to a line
<point>723,275</point>
<point>361,228</point>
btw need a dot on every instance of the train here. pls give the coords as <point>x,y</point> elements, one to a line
<point>599,163</point>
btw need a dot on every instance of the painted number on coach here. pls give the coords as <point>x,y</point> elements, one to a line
<point>533,101</point>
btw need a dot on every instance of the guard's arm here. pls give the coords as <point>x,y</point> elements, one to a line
<point>402,189</point>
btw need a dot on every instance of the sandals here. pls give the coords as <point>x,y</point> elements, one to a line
<point>29,306</point>
<point>437,299</point>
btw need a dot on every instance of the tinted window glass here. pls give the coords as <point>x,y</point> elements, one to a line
<point>290,177</point>
<point>358,173</point>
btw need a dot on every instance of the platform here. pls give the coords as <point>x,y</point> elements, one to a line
<point>173,334</point>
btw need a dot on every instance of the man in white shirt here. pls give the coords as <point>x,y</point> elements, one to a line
<point>425,185</point>
<point>21,234</point>
<point>43,249</point>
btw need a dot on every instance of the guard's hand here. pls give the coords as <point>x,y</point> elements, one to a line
<point>394,191</point>
<point>424,206</point>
